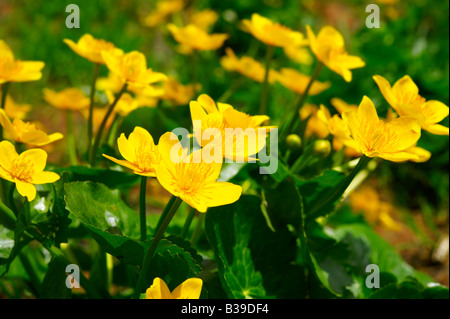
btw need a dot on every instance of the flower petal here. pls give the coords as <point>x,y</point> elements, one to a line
<point>45,177</point>
<point>37,157</point>
<point>26,189</point>
<point>158,290</point>
<point>407,129</point>
<point>189,289</point>
<point>220,193</point>
<point>386,90</point>
<point>7,154</point>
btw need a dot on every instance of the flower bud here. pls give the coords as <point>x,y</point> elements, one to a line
<point>322,147</point>
<point>293,142</point>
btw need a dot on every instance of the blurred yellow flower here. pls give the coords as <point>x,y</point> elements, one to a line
<point>140,152</point>
<point>177,93</point>
<point>271,33</point>
<point>197,39</point>
<point>189,289</point>
<point>163,9</point>
<point>297,82</point>
<point>366,199</point>
<point>12,70</point>
<point>13,110</point>
<point>298,53</point>
<point>315,126</point>
<point>132,69</point>
<point>68,99</point>
<point>25,170</point>
<point>204,19</point>
<point>113,82</point>
<point>26,132</point>
<point>246,66</point>
<point>91,48</point>
<point>329,48</point>
<point>394,140</point>
<point>125,105</point>
<point>341,106</point>
<point>404,98</point>
<point>98,116</point>
<point>194,181</point>
<point>215,121</point>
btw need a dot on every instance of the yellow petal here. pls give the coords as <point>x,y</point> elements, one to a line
<point>189,289</point>
<point>399,156</point>
<point>7,125</point>
<point>158,290</point>
<point>207,103</point>
<point>407,129</point>
<point>367,110</point>
<point>406,87</point>
<point>36,157</point>
<point>434,111</point>
<point>422,154</point>
<point>45,177</point>
<point>6,175</point>
<point>386,90</point>
<point>30,71</point>
<point>437,129</point>
<point>26,189</point>
<point>122,162</point>
<point>140,136</point>
<point>7,154</point>
<point>219,193</point>
<point>125,148</point>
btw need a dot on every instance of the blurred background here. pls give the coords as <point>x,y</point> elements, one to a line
<point>413,39</point>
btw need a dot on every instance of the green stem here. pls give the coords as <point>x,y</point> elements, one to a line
<point>71,146</point>
<point>91,108</point>
<point>31,272</point>
<point>294,119</point>
<point>149,256</point>
<point>7,217</point>
<point>165,211</point>
<point>226,95</point>
<point>338,191</point>
<point>112,132</point>
<point>198,229</point>
<point>98,138</point>
<point>12,203</point>
<point>188,222</point>
<point>142,208</point>
<point>265,87</point>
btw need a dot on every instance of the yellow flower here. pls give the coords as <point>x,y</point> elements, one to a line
<point>113,82</point>
<point>12,70</point>
<point>125,105</point>
<point>246,66</point>
<point>341,106</point>
<point>271,33</point>
<point>341,133</point>
<point>315,126</point>
<point>404,98</point>
<point>299,54</point>
<point>140,152</point>
<point>297,82</point>
<point>192,179</point>
<point>329,48</point>
<point>367,199</point>
<point>91,48</point>
<point>197,39</point>
<point>163,10</point>
<point>13,110</point>
<point>189,289</point>
<point>177,93</point>
<point>68,99</point>
<point>25,170</point>
<point>26,132</point>
<point>394,140</point>
<point>132,69</point>
<point>219,119</point>
<point>204,19</point>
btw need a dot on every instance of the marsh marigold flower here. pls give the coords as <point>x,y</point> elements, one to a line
<point>12,70</point>
<point>216,120</point>
<point>246,66</point>
<point>26,132</point>
<point>204,19</point>
<point>177,93</point>
<point>329,48</point>
<point>190,178</point>
<point>68,99</point>
<point>163,10</point>
<point>132,69</point>
<point>272,33</point>
<point>14,110</point>
<point>394,140</point>
<point>196,38</point>
<point>189,289</point>
<point>297,82</point>
<point>91,48</point>
<point>25,170</point>
<point>139,151</point>
<point>125,105</point>
<point>404,98</point>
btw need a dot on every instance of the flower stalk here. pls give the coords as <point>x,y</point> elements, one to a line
<point>71,146</point>
<point>265,87</point>
<point>91,108</point>
<point>142,208</point>
<point>171,210</point>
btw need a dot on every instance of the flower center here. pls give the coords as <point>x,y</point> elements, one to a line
<point>146,157</point>
<point>8,67</point>
<point>22,169</point>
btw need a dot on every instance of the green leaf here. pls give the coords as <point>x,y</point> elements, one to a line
<point>253,261</point>
<point>54,283</point>
<point>99,207</point>
<point>411,289</point>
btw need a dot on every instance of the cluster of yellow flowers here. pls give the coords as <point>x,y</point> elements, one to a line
<point>131,84</point>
